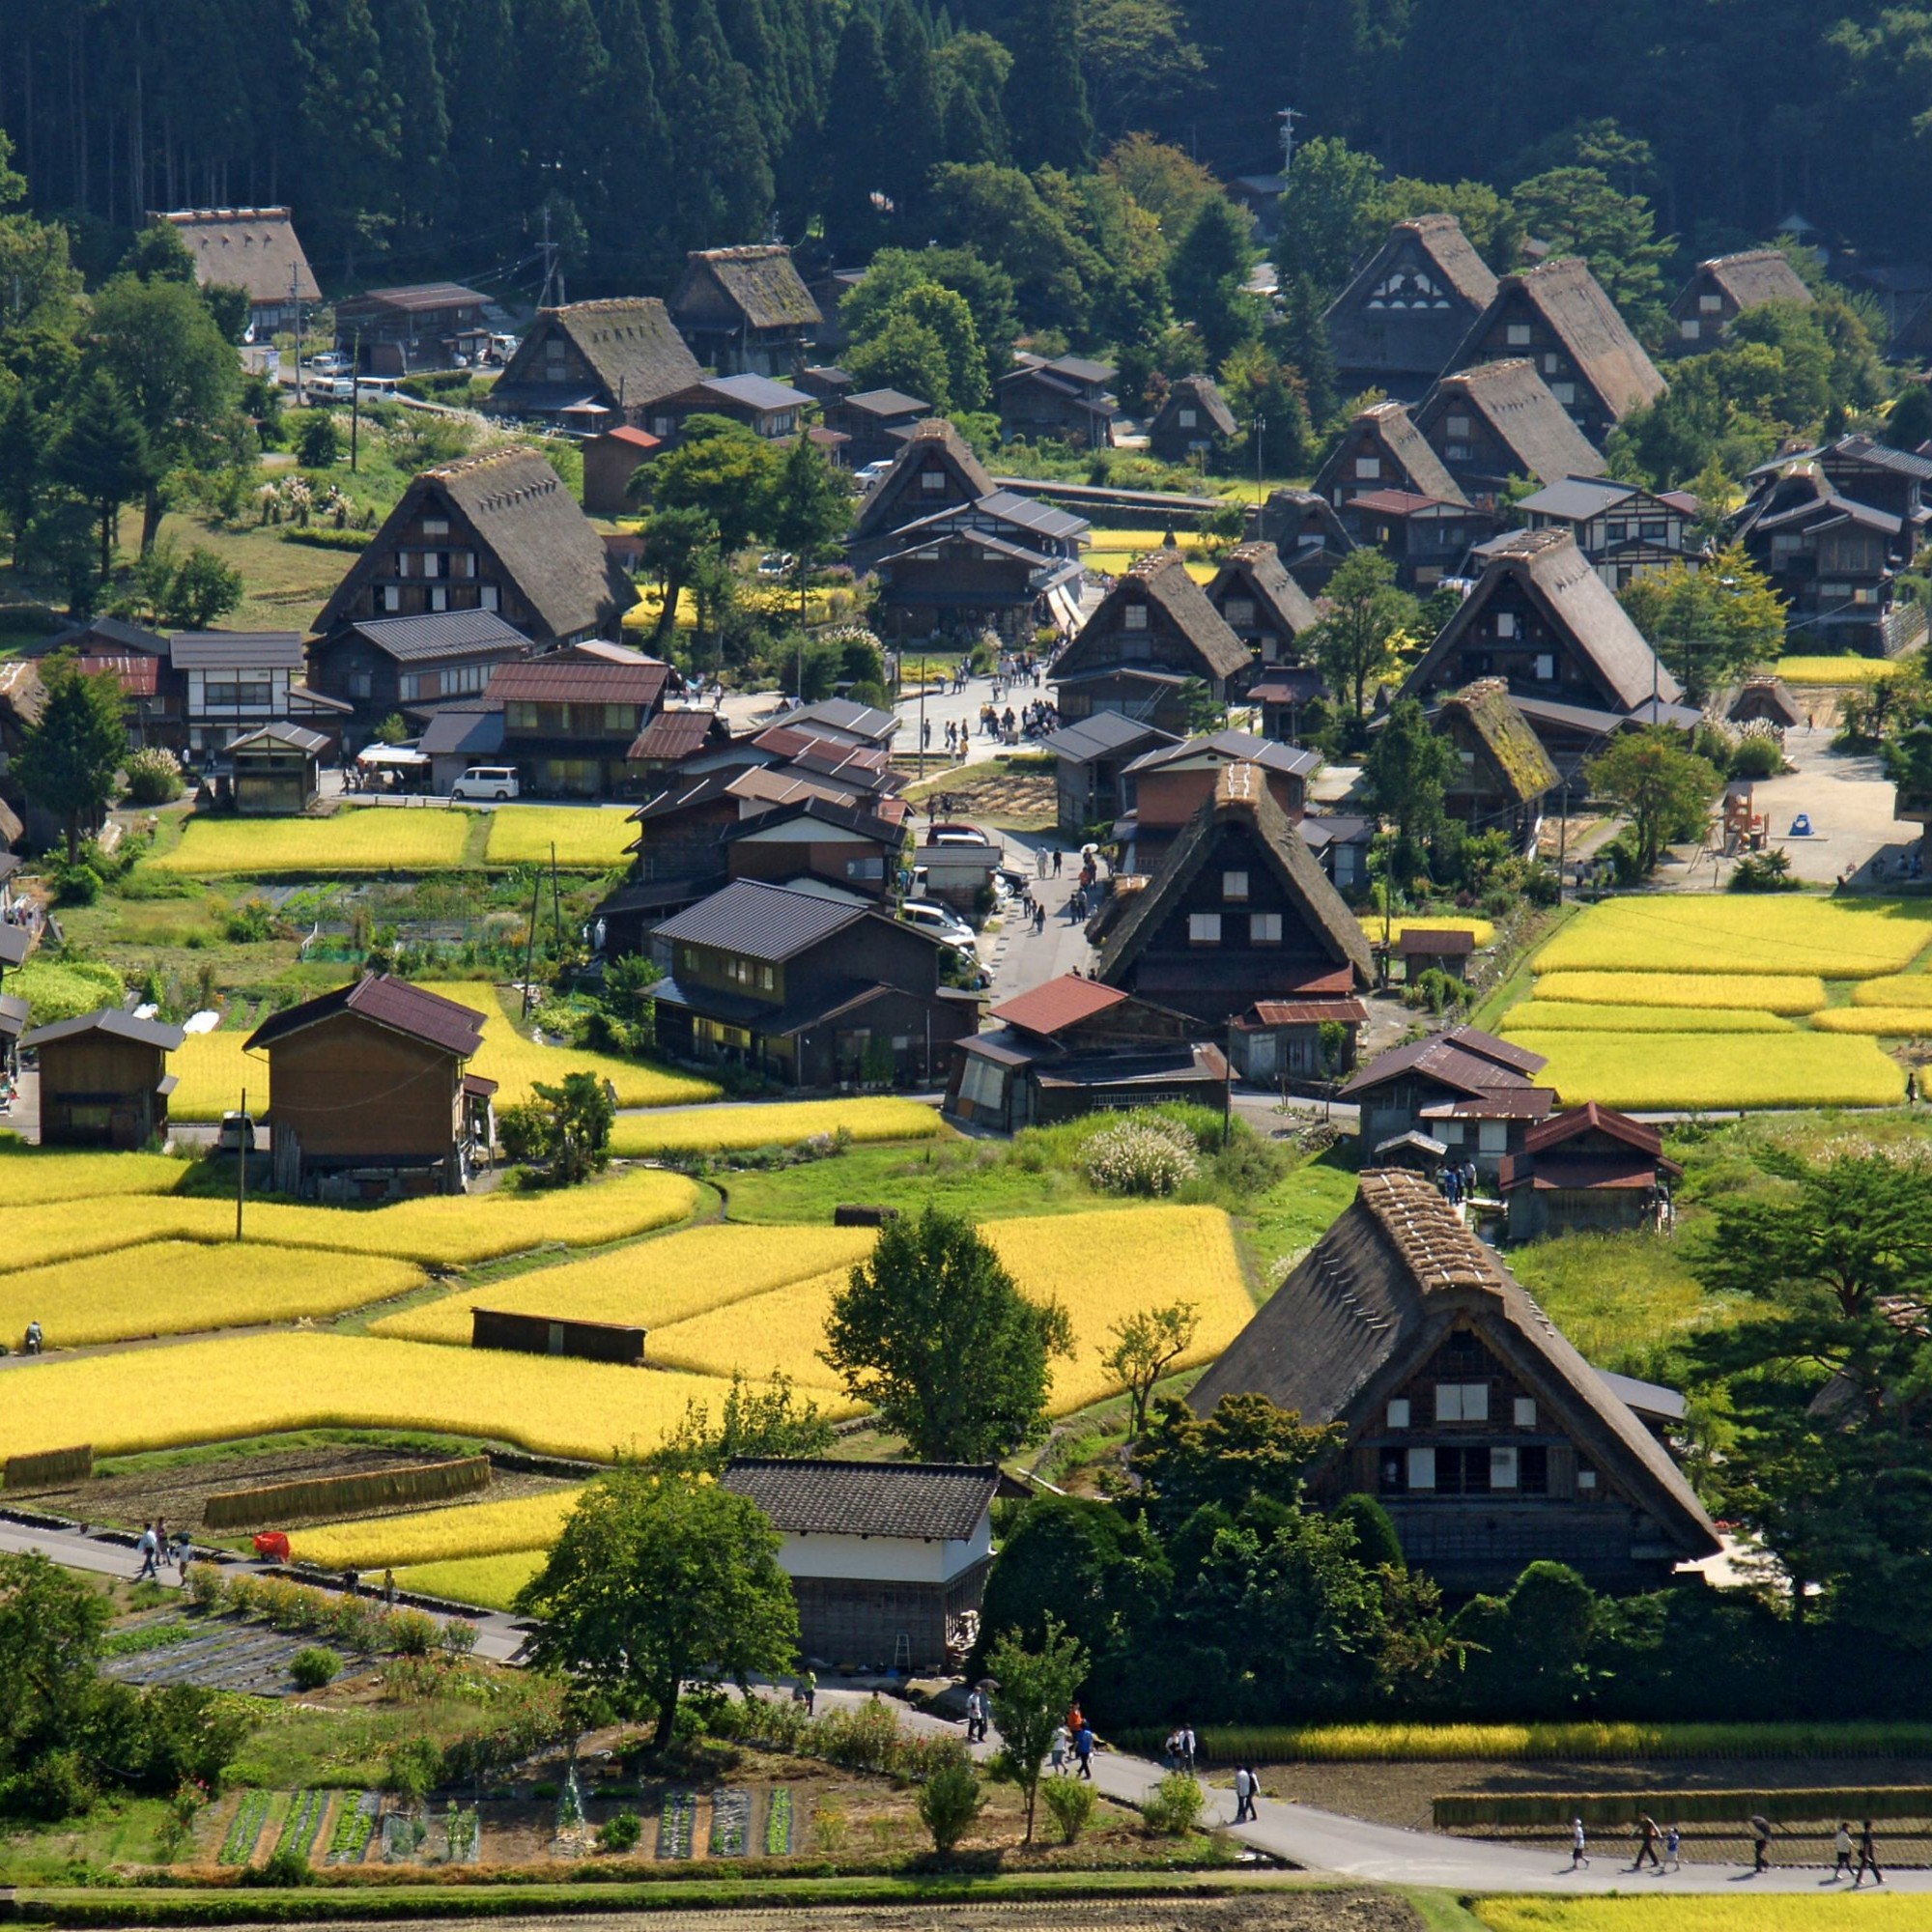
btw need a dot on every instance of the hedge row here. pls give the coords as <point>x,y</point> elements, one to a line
<point>1687,1807</point>
<point>346,1496</point>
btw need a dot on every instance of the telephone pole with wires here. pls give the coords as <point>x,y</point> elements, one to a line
<point>1288,117</point>
<point>553,280</point>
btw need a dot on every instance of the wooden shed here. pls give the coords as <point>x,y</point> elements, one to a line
<point>1450,948</point>
<point>275,768</point>
<point>1589,1170</point>
<point>104,1079</point>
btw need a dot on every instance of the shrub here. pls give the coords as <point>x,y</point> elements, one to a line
<point>1174,1805</point>
<point>1764,872</point>
<point>153,776</point>
<point>285,1865</point>
<point>1757,755</point>
<point>314,1666</point>
<point>620,1833</point>
<point>1141,1153</point>
<point>1071,1802</point>
<point>78,884</point>
<point>949,1801</point>
<point>415,1765</point>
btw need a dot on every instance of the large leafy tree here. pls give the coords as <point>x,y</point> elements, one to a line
<point>1328,215</point>
<point>1710,625</point>
<point>1409,769</point>
<point>1245,1448</point>
<point>1358,642</point>
<point>723,469</point>
<point>1206,274</point>
<point>69,755</point>
<point>934,1333</point>
<point>1577,211</point>
<point>658,1582</point>
<point>1663,788</point>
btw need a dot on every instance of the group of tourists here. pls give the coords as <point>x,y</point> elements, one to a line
<point>1651,1837</point>
<point>157,1551</point>
<point>1075,1739</point>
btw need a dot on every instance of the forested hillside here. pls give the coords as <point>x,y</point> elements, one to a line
<point>418,137</point>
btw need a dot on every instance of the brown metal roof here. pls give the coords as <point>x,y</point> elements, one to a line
<point>1057,1003</point>
<point>1303,1013</point>
<point>672,734</point>
<point>389,1002</point>
<point>550,680</point>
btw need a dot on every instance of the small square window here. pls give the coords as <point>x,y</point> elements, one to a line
<point>1398,1412</point>
<point>1457,426</point>
<point>1265,929</point>
<point>1134,617</point>
<point>1546,668</point>
<point>435,527</point>
<point>1689,329</point>
<point>1525,1411</point>
<point>1240,611</point>
<point>1502,1469</point>
<point>1492,1137</point>
<point>1368,467</point>
<point>1505,623</point>
<point>1204,928</point>
<point>1516,335</point>
<point>1551,363</point>
<point>1185,419</point>
<point>1564,393</point>
<point>1586,1479</point>
<point>1711,304</point>
<point>1234,885</point>
<point>1422,1468</point>
<point>932,481</point>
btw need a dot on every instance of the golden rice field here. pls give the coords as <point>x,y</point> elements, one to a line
<point>1820,1911</point>
<point>1483,929</point>
<point>491,1582</point>
<point>1846,670</point>
<point>453,1231</point>
<point>777,1124</point>
<point>1640,1071</point>
<point>516,1062</point>
<point>1099,1267</point>
<point>177,1288</point>
<point>370,838</point>
<point>436,1535</point>
<point>650,1286</point>
<point>1910,989</point>
<point>1720,992</point>
<point>588,838</point>
<point>1579,1016</point>
<point>1115,561</point>
<point>1730,934</point>
<point>29,1175</point>
<point>258,1384</point>
<point>1880,1022</point>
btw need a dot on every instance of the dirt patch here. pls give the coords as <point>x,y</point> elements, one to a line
<point>1019,801</point>
<point>179,1493</point>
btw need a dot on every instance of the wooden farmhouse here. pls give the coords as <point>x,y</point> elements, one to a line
<point>767,408</point>
<point>1590,1171</point>
<point>1153,634</point>
<point>1725,288</point>
<point>1541,619</point>
<point>1262,604</point>
<point>1832,560</point>
<point>845,845</point>
<point>1505,774</point>
<point>104,1079</point>
<point>496,532</point>
<point>1067,400</point>
<point>595,366</point>
<point>1557,317</point>
<point>1623,528</point>
<point>1765,699</point>
<point>1383,449</point>
<point>806,986</point>
<point>1293,1044</point>
<point>1423,537</point>
<point>1496,422</point>
<point>1410,304</point>
<point>875,423</point>
<point>1466,1089</point>
<point>1239,911</point>
<point>1460,1406</point>
<point>1168,784</point>
<point>571,717</point>
<point>936,470</point>
<point>1072,1046</point>
<point>1091,760</point>
<point>1308,535</point>
<point>254,250</point>
<point>745,311</point>
<point>1194,424</point>
<point>422,326</point>
<point>886,1559</point>
<point>410,666</point>
<point>369,1095</point>
<point>274,769</point>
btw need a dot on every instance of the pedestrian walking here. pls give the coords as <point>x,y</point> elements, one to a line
<point>149,1548</point>
<point>1672,1840</point>
<point>1056,856</point>
<point>1244,1794</point>
<point>1039,915</point>
<point>1647,1837</point>
<point>183,1556</point>
<point>808,1684</point>
<point>1867,1858</point>
<point>1841,1848</point>
<point>1040,862</point>
<point>1187,1749</point>
<point>35,1341</point>
<point>1083,1748</point>
<point>1760,1828</point>
<point>1578,1846</point>
<point>975,1708</point>
<point>1058,1755</point>
<point>162,1540</point>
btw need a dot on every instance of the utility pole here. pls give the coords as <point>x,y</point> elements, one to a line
<point>531,943</point>
<point>1288,117</point>
<point>294,295</point>
<point>556,904</point>
<point>355,401</point>
<point>244,1127</point>
<point>1261,490</point>
<point>553,277</point>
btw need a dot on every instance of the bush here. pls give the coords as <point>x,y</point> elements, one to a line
<point>1764,872</point>
<point>1141,1153</point>
<point>1174,1806</point>
<point>1071,1802</point>
<point>286,1865</point>
<point>153,776</point>
<point>620,1833</point>
<point>1758,756</point>
<point>314,1666</point>
<point>78,884</point>
<point>949,1801</point>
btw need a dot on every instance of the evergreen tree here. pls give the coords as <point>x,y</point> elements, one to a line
<point>22,467</point>
<point>635,151</point>
<point>563,67</point>
<point>1047,93</point>
<point>479,38</point>
<point>1205,273</point>
<point>1305,344</point>
<point>720,169</point>
<point>70,754</point>
<point>853,161</point>
<point>809,508</point>
<point>422,144</point>
<point>914,127</point>
<point>102,455</point>
<point>352,126</point>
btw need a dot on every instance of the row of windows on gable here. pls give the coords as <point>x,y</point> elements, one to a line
<point>389,599</point>
<point>1477,1470</point>
<point>1204,928</point>
<point>1461,1401</point>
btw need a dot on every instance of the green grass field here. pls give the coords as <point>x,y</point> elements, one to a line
<point>1619,1297</point>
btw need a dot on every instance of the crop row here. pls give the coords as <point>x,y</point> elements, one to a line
<point>1719,992</point>
<point>1537,1016</point>
<point>777,1124</point>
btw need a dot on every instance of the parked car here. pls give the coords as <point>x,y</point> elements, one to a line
<point>487,782</point>
<point>942,922</point>
<point>236,1134</point>
<point>331,362</point>
<point>870,472</point>
<point>957,834</point>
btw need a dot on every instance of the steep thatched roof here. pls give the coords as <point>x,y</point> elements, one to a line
<point>529,520</point>
<point>1418,467</point>
<point>758,283</point>
<point>252,249</point>
<point>1578,605</point>
<point>1377,1295</point>
<point>1573,306</point>
<point>1256,569</point>
<point>1388,319</point>
<point>1756,276</point>
<point>896,499</point>
<point>1159,577</point>
<point>1522,413</point>
<point>1241,796</point>
<point>1516,752</point>
<point>1201,394</point>
<point>631,345</point>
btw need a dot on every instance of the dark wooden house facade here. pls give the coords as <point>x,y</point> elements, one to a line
<point>1726,287</point>
<point>1496,422</point>
<point>596,365</point>
<point>745,311</point>
<point>1466,1089</point>
<point>1397,323</point>
<point>1623,528</point>
<point>1194,424</point>
<point>571,717</point>
<point>410,666</point>
<point>1067,400</point>
<point>1262,604</point>
<point>1383,449</point>
<point>1463,1410</point>
<point>1591,1171</point>
<point>1505,775</point>
<point>104,1079</point>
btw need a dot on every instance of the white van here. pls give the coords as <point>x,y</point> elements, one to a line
<point>489,782</point>
<point>942,923</point>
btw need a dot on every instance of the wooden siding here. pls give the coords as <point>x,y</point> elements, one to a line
<point>351,1091</point>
